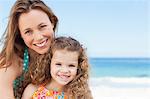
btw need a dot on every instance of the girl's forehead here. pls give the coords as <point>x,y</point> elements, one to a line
<point>64,54</point>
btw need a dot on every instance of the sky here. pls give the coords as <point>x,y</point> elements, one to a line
<point>106,28</point>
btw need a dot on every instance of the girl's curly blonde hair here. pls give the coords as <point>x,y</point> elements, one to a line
<point>78,88</point>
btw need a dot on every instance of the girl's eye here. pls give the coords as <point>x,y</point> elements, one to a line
<point>58,64</point>
<point>72,65</point>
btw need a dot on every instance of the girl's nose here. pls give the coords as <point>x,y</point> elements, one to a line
<point>65,69</point>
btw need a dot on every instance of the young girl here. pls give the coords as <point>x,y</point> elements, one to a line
<point>68,69</point>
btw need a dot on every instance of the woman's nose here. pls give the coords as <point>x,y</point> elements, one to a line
<point>38,36</point>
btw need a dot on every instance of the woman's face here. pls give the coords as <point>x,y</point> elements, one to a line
<point>36,30</point>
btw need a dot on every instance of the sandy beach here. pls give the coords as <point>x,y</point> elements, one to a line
<point>120,88</point>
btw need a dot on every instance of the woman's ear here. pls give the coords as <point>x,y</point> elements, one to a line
<point>53,26</point>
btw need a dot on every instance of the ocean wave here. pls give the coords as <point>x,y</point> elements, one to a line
<point>134,82</point>
<point>120,88</point>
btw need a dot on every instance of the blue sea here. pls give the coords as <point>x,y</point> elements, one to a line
<point>120,67</point>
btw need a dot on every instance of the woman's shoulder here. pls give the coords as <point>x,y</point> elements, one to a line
<point>10,69</point>
<point>8,74</point>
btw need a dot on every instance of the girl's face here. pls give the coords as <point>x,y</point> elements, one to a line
<point>64,66</point>
<point>36,30</point>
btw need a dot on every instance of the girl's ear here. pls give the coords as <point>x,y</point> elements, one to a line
<point>79,71</point>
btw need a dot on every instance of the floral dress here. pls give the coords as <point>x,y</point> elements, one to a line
<point>43,93</point>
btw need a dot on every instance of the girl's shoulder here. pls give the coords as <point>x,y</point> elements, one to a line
<point>32,87</point>
<point>29,90</point>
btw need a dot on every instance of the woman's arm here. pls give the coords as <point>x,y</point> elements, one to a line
<point>7,76</point>
<point>6,83</point>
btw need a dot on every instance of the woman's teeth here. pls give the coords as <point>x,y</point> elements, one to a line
<point>41,44</point>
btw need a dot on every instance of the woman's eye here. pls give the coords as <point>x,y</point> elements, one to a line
<point>43,26</point>
<point>28,32</point>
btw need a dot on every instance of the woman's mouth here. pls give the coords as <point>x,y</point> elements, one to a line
<point>41,44</point>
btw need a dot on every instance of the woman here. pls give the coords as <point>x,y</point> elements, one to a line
<point>30,29</point>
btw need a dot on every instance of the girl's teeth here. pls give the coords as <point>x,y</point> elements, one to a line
<point>63,77</point>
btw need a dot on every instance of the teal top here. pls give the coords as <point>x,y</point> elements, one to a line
<point>25,68</point>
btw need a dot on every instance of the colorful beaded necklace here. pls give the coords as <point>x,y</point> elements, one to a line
<point>25,68</point>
